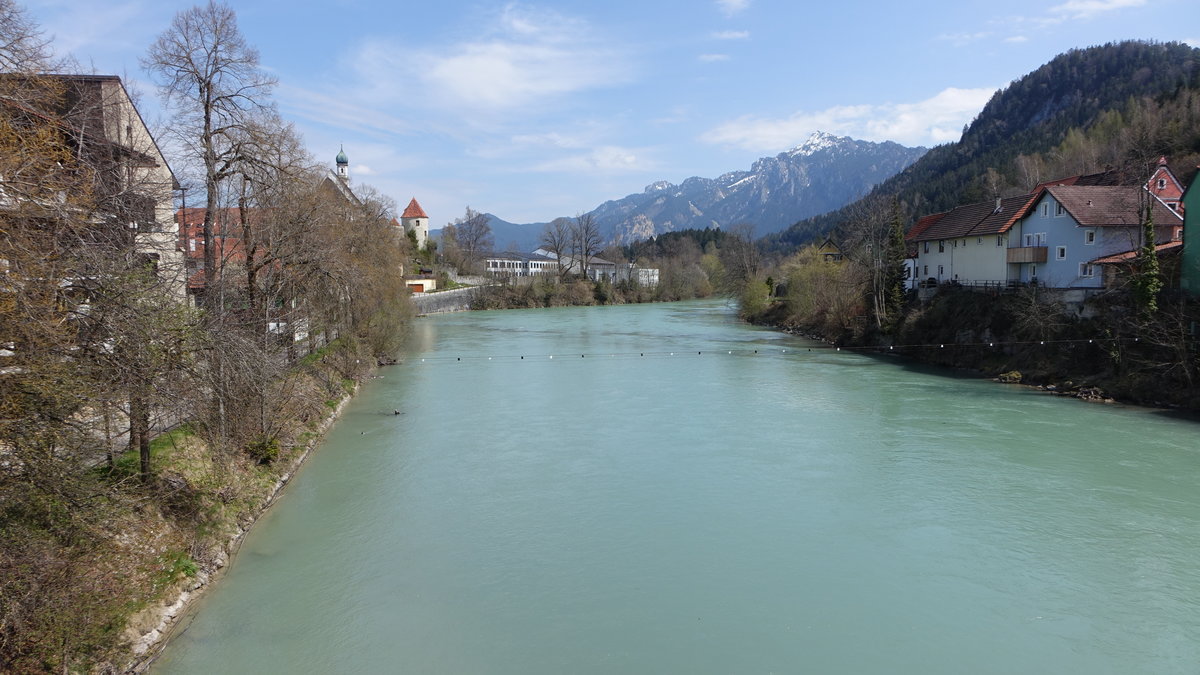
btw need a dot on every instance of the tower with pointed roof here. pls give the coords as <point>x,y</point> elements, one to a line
<point>343,164</point>
<point>414,220</point>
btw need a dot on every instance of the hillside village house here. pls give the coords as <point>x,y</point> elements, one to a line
<point>134,185</point>
<point>1076,230</point>
<point>1060,235</point>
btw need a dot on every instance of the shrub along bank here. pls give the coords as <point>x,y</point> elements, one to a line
<point>1106,348</point>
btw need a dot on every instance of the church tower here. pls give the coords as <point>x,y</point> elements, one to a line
<point>414,220</point>
<point>343,165</point>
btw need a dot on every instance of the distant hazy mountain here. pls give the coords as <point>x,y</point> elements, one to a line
<point>826,172</point>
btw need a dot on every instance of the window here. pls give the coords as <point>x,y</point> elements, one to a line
<point>1028,240</point>
<point>926,247</point>
<point>1059,210</point>
<point>954,243</point>
<point>978,240</point>
<point>1045,210</point>
<point>941,247</point>
<point>1162,183</point>
<point>1089,237</point>
<point>940,270</point>
<point>926,272</point>
<point>1178,234</point>
<point>1086,270</point>
<point>1033,271</point>
<point>1060,252</point>
<point>999,240</point>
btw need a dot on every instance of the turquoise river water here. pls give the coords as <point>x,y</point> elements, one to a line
<point>633,506</point>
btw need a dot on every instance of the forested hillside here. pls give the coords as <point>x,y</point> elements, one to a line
<point>1119,105</point>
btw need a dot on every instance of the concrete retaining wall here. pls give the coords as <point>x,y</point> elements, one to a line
<point>456,300</point>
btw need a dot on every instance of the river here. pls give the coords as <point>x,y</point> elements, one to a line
<point>661,489</point>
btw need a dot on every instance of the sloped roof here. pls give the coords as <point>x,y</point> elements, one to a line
<point>972,220</point>
<point>414,210</point>
<point>1110,206</point>
<point>1116,258</point>
<point>923,224</point>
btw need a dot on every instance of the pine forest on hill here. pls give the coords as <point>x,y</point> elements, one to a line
<point>1117,106</point>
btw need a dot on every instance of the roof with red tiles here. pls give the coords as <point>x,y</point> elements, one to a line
<point>1110,206</point>
<point>1117,258</point>
<point>973,220</point>
<point>923,224</point>
<point>414,210</point>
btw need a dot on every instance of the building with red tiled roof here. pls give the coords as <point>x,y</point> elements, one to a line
<point>967,244</point>
<point>416,222</point>
<point>1051,236</point>
<point>1069,228</point>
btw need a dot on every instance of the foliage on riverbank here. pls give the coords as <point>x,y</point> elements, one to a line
<point>85,549</point>
<point>1104,345</point>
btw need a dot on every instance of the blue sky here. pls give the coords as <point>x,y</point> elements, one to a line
<point>533,110</point>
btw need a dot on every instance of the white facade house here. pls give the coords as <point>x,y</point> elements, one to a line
<point>967,245</point>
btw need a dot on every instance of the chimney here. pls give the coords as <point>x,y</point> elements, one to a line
<point>997,204</point>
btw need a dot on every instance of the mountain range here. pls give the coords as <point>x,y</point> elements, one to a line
<point>822,174</point>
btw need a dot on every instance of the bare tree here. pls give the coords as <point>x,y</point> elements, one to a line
<point>585,240</point>
<point>23,46</point>
<point>473,234</point>
<point>740,256</point>
<point>556,238</point>
<point>213,78</point>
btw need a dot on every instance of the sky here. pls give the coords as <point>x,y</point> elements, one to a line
<point>534,110</point>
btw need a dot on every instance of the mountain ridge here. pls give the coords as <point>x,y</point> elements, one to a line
<point>821,174</point>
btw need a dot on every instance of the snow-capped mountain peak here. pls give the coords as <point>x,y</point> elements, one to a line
<point>818,141</point>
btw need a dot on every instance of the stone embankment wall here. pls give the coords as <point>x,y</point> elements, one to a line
<point>456,300</point>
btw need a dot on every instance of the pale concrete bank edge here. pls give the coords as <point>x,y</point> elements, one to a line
<point>176,611</point>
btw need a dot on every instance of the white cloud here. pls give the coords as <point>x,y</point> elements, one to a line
<point>551,139</point>
<point>339,111</point>
<point>935,120</point>
<point>731,35</point>
<point>1016,39</point>
<point>710,58</point>
<point>81,29</point>
<point>523,58</point>
<point>1085,9</point>
<point>962,39</point>
<point>604,159</point>
<point>1192,42</point>
<point>731,7</point>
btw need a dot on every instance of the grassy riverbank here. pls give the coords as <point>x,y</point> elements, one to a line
<point>96,570</point>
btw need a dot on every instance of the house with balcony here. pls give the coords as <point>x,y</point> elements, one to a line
<point>1068,233</point>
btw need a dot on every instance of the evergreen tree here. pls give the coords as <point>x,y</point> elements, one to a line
<point>1147,281</point>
